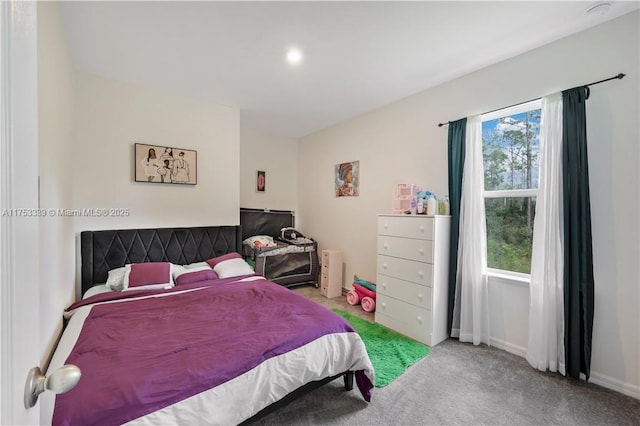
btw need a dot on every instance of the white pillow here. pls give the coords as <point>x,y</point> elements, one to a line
<point>233,268</point>
<point>176,270</point>
<point>96,289</point>
<point>197,265</point>
<point>115,280</point>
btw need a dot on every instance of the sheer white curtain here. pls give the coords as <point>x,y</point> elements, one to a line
<point>545,350</point>
<point>471,308</point>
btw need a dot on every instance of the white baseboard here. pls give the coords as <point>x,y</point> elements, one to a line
<point>596,378</point>
<point>509,347</point>
<point>615,384</point>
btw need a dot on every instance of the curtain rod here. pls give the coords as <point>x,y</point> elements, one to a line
<point>619,77</point>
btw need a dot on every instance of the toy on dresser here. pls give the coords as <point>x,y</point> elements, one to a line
<point>364,292</point>
<point>427,203</point>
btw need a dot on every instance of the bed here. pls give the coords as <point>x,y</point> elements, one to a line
<point>223,350</point>
<point>286,262</point>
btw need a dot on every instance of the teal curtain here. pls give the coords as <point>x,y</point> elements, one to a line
<point>456,164</point>
<point>578,256</point>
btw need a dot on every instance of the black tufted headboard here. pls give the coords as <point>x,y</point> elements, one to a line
<point>105,250</point>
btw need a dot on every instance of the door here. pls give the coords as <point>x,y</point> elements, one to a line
<point>19,240</point>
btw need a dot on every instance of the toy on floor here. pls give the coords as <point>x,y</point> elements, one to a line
<point>364,292</point>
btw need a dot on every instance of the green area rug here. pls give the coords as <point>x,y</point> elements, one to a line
<point>390,353</point>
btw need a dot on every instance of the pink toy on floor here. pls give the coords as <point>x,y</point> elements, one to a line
<point>361,294</point>
<point>368,304</point>
<point>352,298</point>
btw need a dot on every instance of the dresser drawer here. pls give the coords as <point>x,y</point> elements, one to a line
<point>403,317</point>
<point>324,289</point>
<point>407,248</point>
<point>324,278</point>
<point>406,291</point>
<point>406,226</point>
<point>408,270</point>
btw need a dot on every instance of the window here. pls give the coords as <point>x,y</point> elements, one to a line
<point>511,147</point>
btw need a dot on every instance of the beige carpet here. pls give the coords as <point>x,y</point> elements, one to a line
<point>310,292</point>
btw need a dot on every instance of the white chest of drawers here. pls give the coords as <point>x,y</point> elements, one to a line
<point>331,273</point>
<point>412,275</point>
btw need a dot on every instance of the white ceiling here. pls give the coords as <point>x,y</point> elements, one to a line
<point>358,55</point>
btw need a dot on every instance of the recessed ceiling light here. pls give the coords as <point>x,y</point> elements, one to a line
<point>294,56</point>
<point>599,8</point>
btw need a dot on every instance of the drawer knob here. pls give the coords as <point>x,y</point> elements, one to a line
<point>384,305</point>
<point>421,228</point>
<point>420,274</point>
<point>384,285</point>
<point>384,266</point>
<point>385,246</point>
<point>419,318</point>
<point>420,296</point>
<point>385,226</point>
<point>421,251</point>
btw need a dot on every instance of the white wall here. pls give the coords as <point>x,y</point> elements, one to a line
<point>401,143</point>
<point>111,116</point>
<point>55,122</point>
<point>278,157</point>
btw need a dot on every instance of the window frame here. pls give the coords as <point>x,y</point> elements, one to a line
<point>519,277</point>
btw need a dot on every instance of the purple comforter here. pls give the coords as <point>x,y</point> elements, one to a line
<point>137,356</point>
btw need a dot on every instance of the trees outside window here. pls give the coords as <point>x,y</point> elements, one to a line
<point>511,147</point>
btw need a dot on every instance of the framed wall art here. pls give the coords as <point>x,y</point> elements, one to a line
<point>165,164</point>
<point>347,178</point>
<point>261,181</point>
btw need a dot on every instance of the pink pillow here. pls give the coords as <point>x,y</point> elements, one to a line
<point>196,276</point>
<point>150,273</point>
<point>213,262</point>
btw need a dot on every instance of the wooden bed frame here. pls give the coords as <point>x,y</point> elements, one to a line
<point>104,250</point>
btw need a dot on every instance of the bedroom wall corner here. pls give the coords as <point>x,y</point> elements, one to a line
<point>277,156</point>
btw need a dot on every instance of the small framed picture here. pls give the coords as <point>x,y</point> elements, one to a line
<point>261,181</point>
<point>347,179</point>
